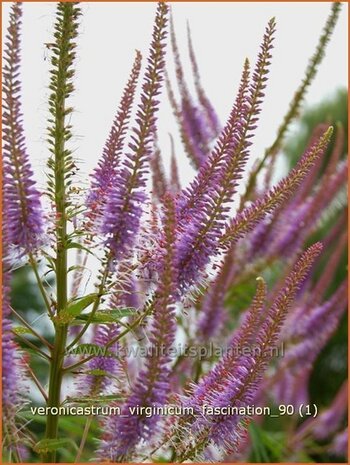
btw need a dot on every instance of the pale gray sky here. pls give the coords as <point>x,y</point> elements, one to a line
<point>223,35</point>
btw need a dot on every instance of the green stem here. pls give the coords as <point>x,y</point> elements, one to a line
<point>112,341</point>
<point>84,438</point>
<point>55,383</point>
<point>31,345</point>
<point>58,351</point>
<point>37,382</point>
<point>32,330</point>
<point>100,292</point>
<point>34,266</point>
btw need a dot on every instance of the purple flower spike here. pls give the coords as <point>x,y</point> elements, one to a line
<point>92,385</point>
<point>121,217</point>
<point>235,379</point>
<point>104,175</point>
<point>21,197</point>
<point>153,383</point>
<point>208,108</point>
<point>339,445</point>
<point>331,419</point>
<point>191,118</point>
<point>247,219</point>
<point>13,371</point>
<point>201,237</point>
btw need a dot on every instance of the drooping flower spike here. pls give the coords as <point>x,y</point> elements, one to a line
<point>21,197</point>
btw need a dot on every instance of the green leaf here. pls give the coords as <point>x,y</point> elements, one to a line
<point>93,400</point>
<point>21,330</point>
<point>76,245</point>
<point>108,316</point>
<point>36,354</point>
<point>97,372</point>
<point>267,446</point>
<point>47,445</point>
<point>259,452</point>
<point>75,307</point>
<point>69,424</point>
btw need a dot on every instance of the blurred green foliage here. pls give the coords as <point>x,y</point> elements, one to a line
<point>332,110</point>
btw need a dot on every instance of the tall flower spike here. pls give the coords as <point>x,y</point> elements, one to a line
<point>13,374</point>
<point>276,229</point>
<point>250,216</point>
<point>308,338</point>
<point>105,173</point>
<point>174,181</point>
<point>211,114</point>
<point>153,383</point>
<point>200,241</point>
<point>159,182</point>
<point>297,101</point>
<point>195,197</point>
<point>22,205</point>
<point>240,381</point>
<point>192,123</point>
<point>61,164</point>
<point>266,339</point>
<point>309,75</point>
<point>121,217</point>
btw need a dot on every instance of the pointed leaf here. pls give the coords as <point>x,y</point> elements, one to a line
<point>108,316</point>
<point>76,306</point>
<point>47,445</point>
